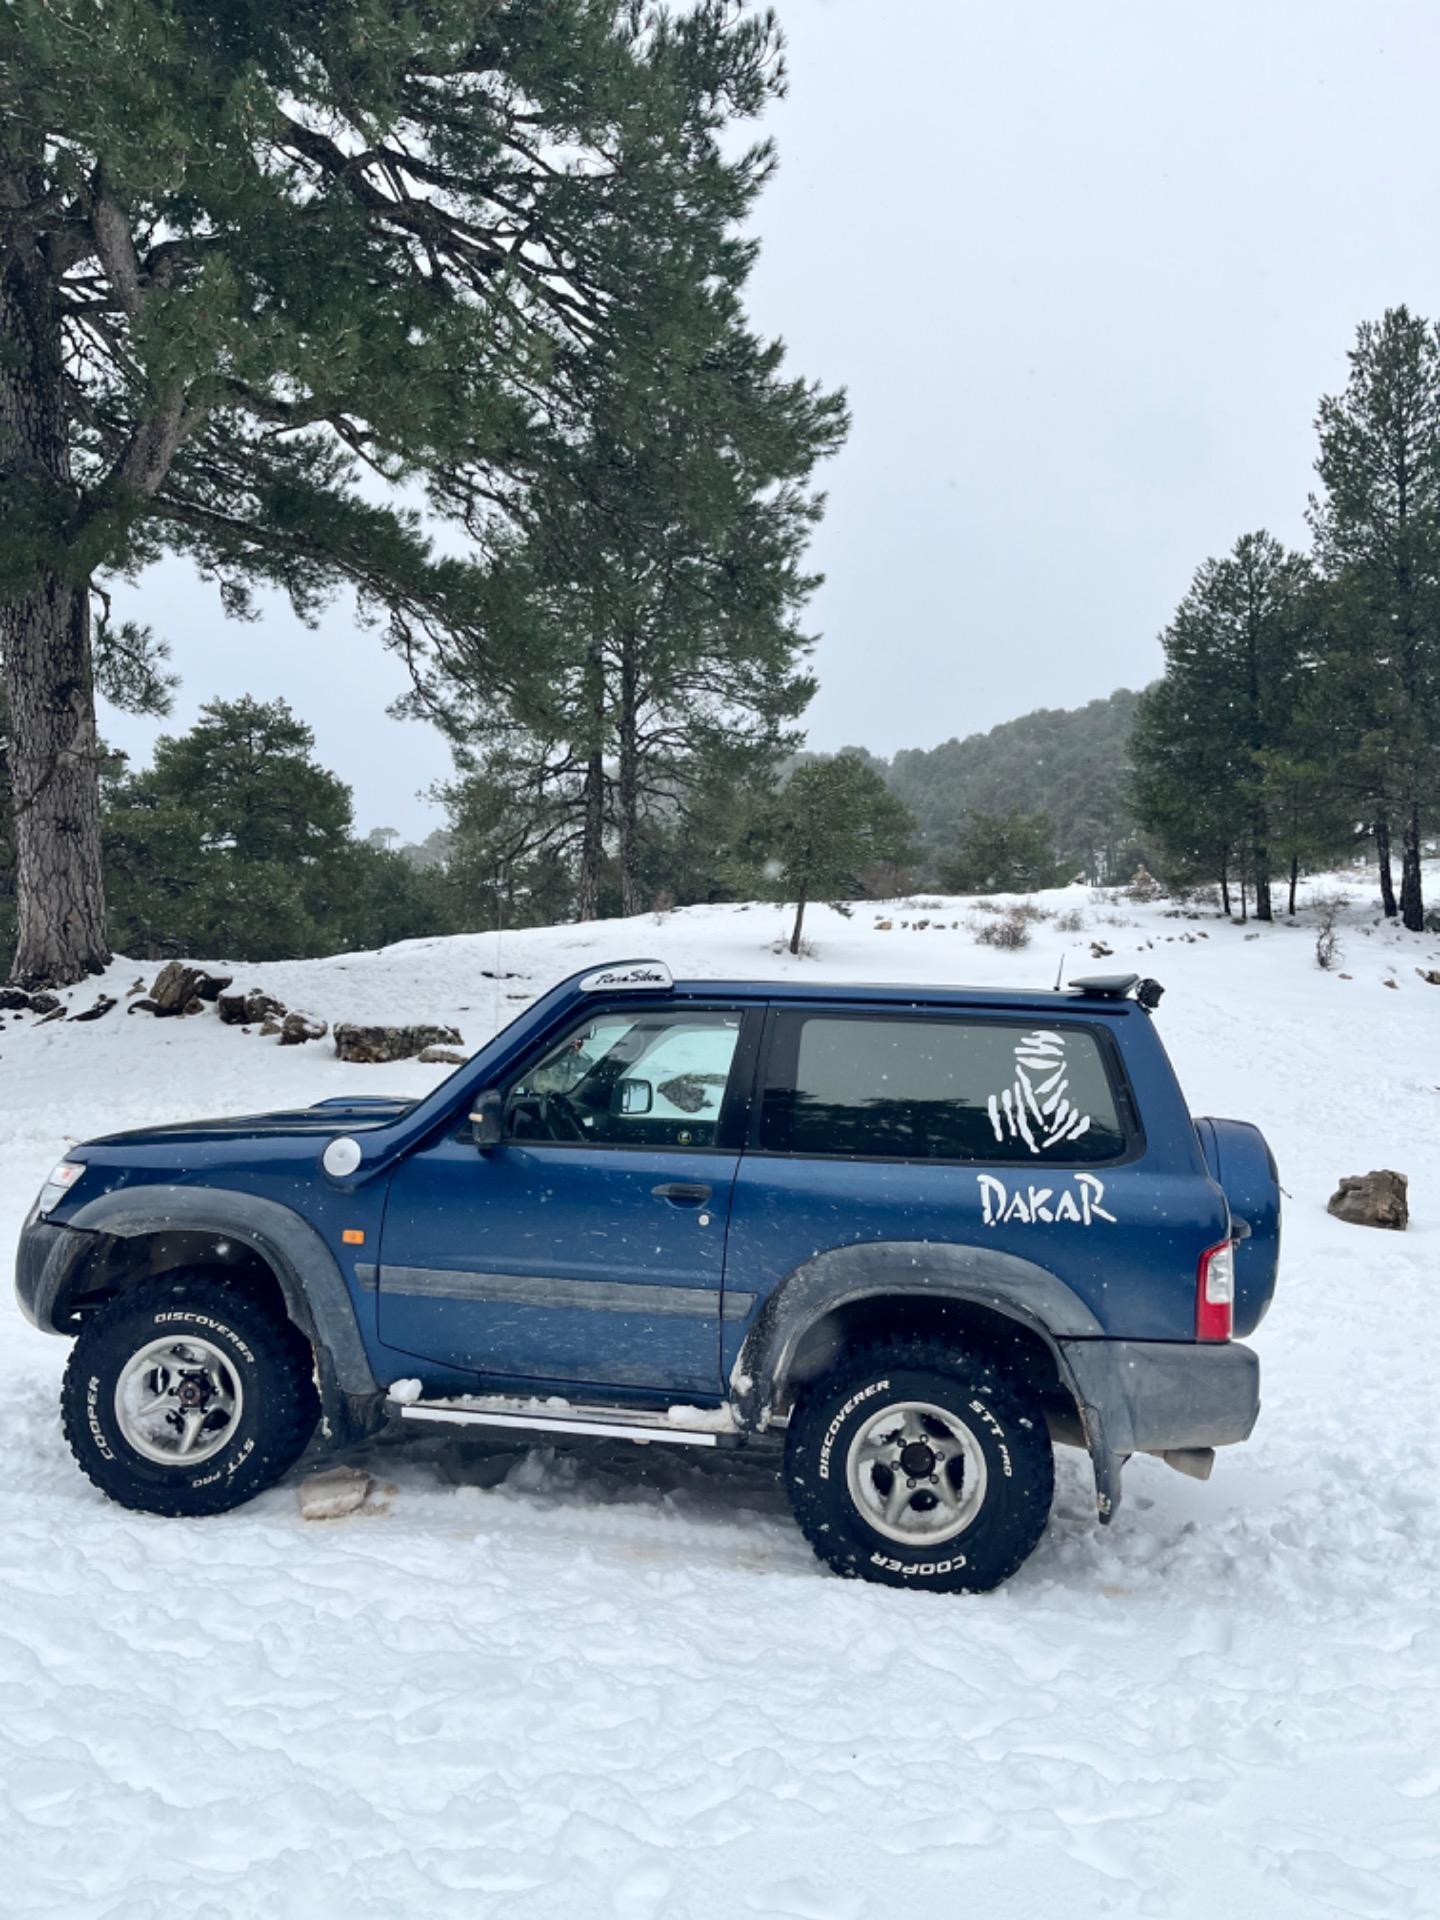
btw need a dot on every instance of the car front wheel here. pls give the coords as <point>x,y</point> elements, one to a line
<point>918,1465</point>
<point>186,1396</point>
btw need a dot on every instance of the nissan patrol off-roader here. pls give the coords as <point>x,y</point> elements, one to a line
<point>922,1234</point>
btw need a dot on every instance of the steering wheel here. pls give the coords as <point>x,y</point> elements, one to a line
<point>559,1119</point>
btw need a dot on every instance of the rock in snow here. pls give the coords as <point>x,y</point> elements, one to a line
<point>178,988</point>
<point>332,1494</point>
<point>1379,1199</point>
<point>372,1046</point>
<point>441,1057</point>
<point>296,1028</point>
<point>244,1008</point>
<point>97,1012</point>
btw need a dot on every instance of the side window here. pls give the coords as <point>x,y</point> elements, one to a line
<point>648,1078</point>
<point>919,1089</point>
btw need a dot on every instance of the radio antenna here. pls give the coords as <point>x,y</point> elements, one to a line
<point>1060,970</point>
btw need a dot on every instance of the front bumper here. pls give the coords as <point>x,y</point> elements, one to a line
<point>44,1261</point>
<point>1159,1396</point>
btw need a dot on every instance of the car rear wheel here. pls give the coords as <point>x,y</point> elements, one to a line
<point>918,1465</point>
<point>186,1396</point>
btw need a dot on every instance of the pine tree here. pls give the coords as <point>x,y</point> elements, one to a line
<point>657,589</point>
<point>1213,741</point>
<point>830,821</point>
<point>1009,852</point>
<point>235,844</point>
<point>1377,539</point>
<point>1182,787</point>
<point>247,253</point>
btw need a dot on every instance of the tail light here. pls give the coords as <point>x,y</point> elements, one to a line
<point>1215,1293</point>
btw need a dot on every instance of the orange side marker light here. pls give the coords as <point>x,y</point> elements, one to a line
<point>353,1236</point>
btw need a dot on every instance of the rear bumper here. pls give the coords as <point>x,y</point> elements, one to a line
<point>1159,1396</point>
<point>1153,1395</point>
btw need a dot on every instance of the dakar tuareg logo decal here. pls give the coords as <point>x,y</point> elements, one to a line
<point>1036,1106</point>
<point>1082,1201</point>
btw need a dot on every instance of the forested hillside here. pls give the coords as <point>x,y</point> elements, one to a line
<point>1068,764</point>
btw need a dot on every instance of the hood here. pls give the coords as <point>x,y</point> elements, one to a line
<point>329,1117</point>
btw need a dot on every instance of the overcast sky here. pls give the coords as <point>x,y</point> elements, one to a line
<point>1085,271</point>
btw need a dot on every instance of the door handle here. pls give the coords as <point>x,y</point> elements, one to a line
<point>682,1193</point>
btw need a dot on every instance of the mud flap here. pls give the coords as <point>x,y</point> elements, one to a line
<point>1106,1464</point>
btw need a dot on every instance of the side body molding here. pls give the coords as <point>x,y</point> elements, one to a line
<point>316,1295</point>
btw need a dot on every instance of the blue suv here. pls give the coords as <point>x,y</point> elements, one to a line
<point>919,1234</point>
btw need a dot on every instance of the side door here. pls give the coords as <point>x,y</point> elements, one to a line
<point>1012,1131</point>
<point>588,1246</point>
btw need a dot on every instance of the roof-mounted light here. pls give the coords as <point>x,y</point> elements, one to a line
<point>1119,986</point>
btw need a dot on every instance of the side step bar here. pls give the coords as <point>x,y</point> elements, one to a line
<point>601,1423</point>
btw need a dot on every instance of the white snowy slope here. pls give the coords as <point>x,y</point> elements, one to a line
<point>555,1685</point>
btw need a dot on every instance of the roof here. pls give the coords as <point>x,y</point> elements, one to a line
<point>1107,993</point>
<point>909,994</point>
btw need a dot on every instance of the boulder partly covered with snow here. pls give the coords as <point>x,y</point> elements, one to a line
<point>1379,1199</point>
<point>179,988</point>
<point>248,1006</point>
<point>372,1046</point>
<point>296,1028</point>
<point>17,1000</point>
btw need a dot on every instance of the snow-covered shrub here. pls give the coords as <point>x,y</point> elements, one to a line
<point>1010,930</point>
<point>1327,908</point>
<point>1071,922</point>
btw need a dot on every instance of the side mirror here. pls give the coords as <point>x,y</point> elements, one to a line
<point>634,1096</point>
<point>487,1122</point>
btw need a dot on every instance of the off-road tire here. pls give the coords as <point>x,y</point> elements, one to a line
<point>1001,1414</point>
<point>269,1355</point>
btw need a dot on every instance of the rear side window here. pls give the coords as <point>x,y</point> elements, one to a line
<point>916,1089</point>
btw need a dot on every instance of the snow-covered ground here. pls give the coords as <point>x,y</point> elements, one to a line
<point>552,1685</point>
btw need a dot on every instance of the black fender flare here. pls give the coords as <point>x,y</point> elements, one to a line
<point>1022,1291</point>
<point>316,1296</point>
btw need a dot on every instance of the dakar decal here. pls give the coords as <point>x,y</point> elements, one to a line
<point>1081,1202</point>
<point>1036,1106</point>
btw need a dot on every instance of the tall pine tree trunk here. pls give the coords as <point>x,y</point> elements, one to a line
<point>1260,859</point>
<point>1225,890</point>
<point>1412,896</point>
<point>1294,882</point>
<point>1382,861</point>
<point>629,779</point>
<point>592,838</point>
<point>45,638</point>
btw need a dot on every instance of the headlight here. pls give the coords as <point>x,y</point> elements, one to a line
<point>58,1185</point>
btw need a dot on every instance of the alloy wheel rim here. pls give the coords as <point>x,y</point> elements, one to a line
<point>178,1401</point>
<point>916,1473</point>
